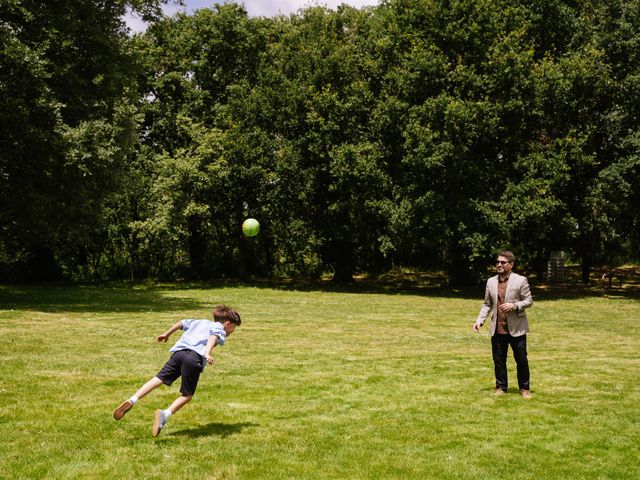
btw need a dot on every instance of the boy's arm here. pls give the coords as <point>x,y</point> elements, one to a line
<point>213,340</point>
<point>165,336</point>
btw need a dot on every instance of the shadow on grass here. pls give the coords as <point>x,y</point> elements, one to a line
<point>573,292</point>
<point>157,297</point>
<point>540,291</point>
<point>627,285</point>
<point>95,299</point>
<point>214,429</point>
<point>435,284</point>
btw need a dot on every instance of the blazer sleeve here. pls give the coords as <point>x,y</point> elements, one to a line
<point>526,300</point>
<point>486,306</point>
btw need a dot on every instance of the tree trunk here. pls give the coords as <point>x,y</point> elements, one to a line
<point>586,268</point>
<point>42,266</point>
<point>197,246</point>
<point>540,265</point>
<point>341,257</point>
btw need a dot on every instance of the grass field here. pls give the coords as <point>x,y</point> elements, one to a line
<point>318,383</point>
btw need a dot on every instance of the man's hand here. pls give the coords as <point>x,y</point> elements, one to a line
<point>209,359</point>
<point>508,307</point>
<point>476,327</point>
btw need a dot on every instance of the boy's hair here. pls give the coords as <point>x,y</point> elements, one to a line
<point>222,313</point>
<point>508,254</point>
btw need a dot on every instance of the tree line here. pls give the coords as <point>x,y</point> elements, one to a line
<point>417,133</point>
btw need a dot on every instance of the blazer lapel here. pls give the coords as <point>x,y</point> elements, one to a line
<point>494,295</point>
<point>513,281</point>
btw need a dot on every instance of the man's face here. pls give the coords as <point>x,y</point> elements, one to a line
<point>503,266</point>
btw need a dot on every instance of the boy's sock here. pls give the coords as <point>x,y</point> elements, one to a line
<point>167,414</point>
<point>134,400</point>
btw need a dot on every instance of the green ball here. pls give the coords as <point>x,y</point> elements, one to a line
<point>250,227</point>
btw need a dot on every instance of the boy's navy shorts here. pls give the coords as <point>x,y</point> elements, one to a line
<point>187,364</point>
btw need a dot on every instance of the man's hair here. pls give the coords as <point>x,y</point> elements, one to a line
<point>508,254</point>
<point>222,313</point>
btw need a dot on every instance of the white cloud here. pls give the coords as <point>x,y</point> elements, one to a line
<point>285,7</point>
<point>134,22</point>
<point>255,8</point>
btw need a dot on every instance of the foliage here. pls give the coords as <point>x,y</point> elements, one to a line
<point>417,133</point>
<point>68,127</point>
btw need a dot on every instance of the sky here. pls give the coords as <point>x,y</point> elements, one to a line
<point>255,8</point>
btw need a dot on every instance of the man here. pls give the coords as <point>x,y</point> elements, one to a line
<point>506,297</point>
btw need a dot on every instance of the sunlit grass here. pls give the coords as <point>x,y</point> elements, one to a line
<point>316,384</point>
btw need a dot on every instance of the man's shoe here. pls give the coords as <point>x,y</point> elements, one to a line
<point>525,393</point>
<point>159,421</point>
<point>123,408</point>
<point>499,392</point>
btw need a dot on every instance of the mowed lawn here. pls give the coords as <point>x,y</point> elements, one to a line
<point>317,383</point>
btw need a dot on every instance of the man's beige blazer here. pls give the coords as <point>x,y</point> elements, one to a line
<point>518,292</point>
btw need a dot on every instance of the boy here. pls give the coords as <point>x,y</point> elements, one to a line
<point>190,355</point>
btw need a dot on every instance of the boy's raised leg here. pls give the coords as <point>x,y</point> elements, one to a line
<point>152,384</point>
<point>127,405</point>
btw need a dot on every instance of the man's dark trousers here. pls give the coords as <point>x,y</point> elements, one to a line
<point>499,347</point>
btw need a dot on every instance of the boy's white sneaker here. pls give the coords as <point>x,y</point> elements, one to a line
<point>159,421</point>
<point>123,408</point>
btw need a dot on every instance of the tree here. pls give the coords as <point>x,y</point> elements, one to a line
<point>311,102</point>
<point>67,128</point>
<point>194,203</point>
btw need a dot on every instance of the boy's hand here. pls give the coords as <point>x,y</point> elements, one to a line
<point>163,338</point>
<point>210,359</point>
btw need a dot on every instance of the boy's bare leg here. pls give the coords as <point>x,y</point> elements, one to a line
<point>180,402</point>
<point>152,384</point>
<point>127,405</point>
